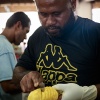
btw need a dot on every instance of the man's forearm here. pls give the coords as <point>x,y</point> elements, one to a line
<point>98,91</point>
<point>18,74</point>
<point>9,87</point>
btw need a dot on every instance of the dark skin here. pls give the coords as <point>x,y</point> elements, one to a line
<point>30,81</point>
<point>9,87</point>
<point>53,14</point>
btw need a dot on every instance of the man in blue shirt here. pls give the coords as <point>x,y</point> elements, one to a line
<point>17,26</point>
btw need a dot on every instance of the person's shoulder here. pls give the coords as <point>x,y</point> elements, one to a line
<point>5,45</point>
<point>90,22</point>
<point>40,29</point>
<point>92,25</point>
<point>3,39</point>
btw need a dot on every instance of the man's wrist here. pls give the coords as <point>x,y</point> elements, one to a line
<point>89,92</point>
<point>98,91</point>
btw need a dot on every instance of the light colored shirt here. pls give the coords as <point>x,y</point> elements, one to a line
<point>7,65</point>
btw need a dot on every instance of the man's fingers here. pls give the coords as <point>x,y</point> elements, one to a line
<point>31,81</point>
<point>23,85</point>
<point>26,83</point>
<point>37,79</point>
<point>30,84</point>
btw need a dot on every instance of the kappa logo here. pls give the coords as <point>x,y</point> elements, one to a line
<point>52,59</point>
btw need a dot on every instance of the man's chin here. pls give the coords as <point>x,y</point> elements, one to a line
<point>53,33</point>
<point>17,43</point>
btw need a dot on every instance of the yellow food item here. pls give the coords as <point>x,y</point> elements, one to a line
<point>49,93</point>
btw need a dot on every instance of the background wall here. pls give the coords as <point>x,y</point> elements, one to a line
<point>84,9</point>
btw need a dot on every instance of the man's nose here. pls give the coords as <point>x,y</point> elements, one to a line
<point>51,20</point>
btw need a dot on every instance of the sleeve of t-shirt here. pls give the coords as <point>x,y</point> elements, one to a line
<point>7,64</point>
<point>27,59</point>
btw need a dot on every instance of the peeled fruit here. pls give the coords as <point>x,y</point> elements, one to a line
<point>49,93</point>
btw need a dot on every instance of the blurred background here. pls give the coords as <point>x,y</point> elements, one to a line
<point>85,8</point>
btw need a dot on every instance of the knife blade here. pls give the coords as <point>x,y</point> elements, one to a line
<point>42,86</point>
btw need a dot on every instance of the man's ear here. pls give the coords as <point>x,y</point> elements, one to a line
<point>18,25</point>
<point>73,3</point>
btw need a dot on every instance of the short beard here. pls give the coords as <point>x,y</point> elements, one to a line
<point>62,30</point>
<point>53,27</point>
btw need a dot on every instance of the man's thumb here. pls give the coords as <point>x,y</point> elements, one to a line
<point>61,87</point>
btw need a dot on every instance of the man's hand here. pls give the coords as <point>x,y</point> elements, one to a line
<point>31,81</point>
<point>59,97</point>
<point>73,91</point>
